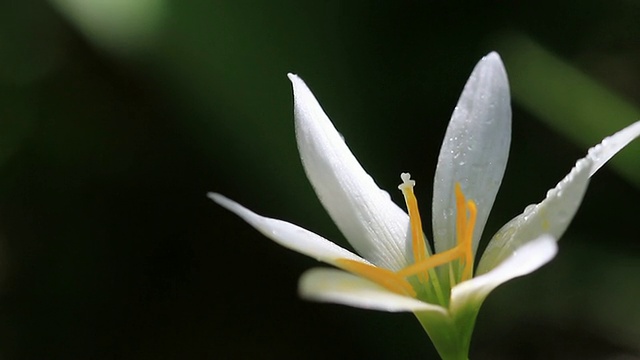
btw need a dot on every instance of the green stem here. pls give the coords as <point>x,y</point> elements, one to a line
<point>451,336</point>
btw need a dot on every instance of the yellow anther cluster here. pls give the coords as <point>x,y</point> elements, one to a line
<point>397,282</point>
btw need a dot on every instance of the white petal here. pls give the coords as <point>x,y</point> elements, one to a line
<point>551,216</point>
<point>336,286</point>
<point>289,235</point>
<point>523,261</point>
<point>610,146</point>
<point>375,226</point>
<point>475,150</point>
<point>554,214</point>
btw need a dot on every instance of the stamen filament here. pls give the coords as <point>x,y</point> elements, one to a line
<point>432,262</point>
<point>383,277</point>
<point>425,264</point>
<point>466,213</point>
<point>468,245</point>
<point>461,214</point>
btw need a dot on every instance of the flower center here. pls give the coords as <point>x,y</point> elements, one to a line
<point>423,263</point>
<point>466,213</point>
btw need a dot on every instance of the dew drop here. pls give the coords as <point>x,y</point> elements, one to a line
<point>529,209</point>
<point>551,193</point>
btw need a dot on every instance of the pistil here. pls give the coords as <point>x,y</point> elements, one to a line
<point>417,235</point>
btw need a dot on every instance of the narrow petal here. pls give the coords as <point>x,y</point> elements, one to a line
<point>551,216</point>
<point>336,286</point>
<point>374,225</point>
<point>610,146</point>
<point>475,150</point>
<point>289,235</point>
<point>554,214</point>
<point>525,260</point>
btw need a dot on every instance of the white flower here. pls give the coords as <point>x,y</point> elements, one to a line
<point>396,269</point>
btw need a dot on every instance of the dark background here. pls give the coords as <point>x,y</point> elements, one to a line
<point>116,118</point>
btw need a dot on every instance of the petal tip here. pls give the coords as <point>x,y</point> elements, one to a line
<point>296,81</point>
<point>491,64</point>
<point>215,196</point>
<point>224,201</point>
<point>611,145</point>
<point>493,56</point>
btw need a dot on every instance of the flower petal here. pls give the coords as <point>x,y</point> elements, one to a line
<point>523,261</point>
<point>474,151</point>
<point>289,235</point>
<point>336,286</point>
<point>554,213</point>
<point>610,146</point>
<point>374,225</point>
<point>551,216</point>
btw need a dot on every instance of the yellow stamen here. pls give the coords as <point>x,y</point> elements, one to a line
<point>432,262</point>
<point>461,214</point>
<point>463,251</point>
<point>383,277</point>
<point>465,223</point>
<point>466,213</point>
<point>468,241</point>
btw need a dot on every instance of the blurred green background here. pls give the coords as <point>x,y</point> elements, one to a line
<point>117,116</point>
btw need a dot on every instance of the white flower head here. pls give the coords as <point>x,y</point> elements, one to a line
<point>396,269</point>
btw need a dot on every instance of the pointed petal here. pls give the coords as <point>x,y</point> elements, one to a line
<point>610,146</point>
<point>554,214</point>
<point>289,235</point>
<point>551,216</point>
<point>475,150</point>
<point>525,260</point>
<point>375,226</point>
<point>335,286</point>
